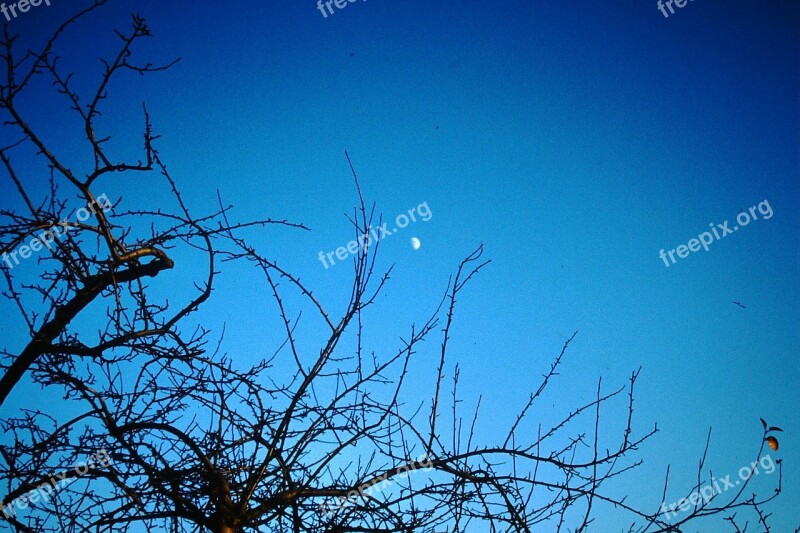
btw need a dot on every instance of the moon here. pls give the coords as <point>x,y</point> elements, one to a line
<point>415,243</point>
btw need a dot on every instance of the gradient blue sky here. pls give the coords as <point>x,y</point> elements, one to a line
<point>574,139</point>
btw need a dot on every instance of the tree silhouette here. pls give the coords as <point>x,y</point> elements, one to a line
<point>318,438</point>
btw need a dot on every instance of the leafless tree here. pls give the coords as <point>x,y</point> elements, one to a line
<point>307,439</point>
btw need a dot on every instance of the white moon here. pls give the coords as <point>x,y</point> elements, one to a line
<point>415,244</point>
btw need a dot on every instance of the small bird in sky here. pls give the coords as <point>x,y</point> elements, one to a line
<point>740,305</point>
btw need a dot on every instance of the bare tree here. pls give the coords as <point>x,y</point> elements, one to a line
<point>321,439</point>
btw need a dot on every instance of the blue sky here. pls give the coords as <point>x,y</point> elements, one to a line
<point>574,140</point>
